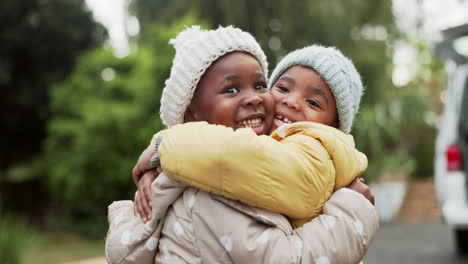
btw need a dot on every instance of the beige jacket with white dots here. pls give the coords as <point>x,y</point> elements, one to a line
<point>193,226</point>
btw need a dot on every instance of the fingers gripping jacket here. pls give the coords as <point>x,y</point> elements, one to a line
<point>155,162</point>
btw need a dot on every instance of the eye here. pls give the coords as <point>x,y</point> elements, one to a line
<point>260,86</point>
<point>313,103</point>
<point>282,88</point>
<point>231,90</point>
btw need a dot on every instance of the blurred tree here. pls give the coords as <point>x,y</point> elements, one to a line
<point>422,104</point>
<point>103,116</point>
<point>40,42</point>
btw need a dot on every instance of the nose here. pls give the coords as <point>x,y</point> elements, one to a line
<point>292,102</point>
<point>253,99</point>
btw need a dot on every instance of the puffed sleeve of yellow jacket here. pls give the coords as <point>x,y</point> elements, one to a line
<point>292,172</point>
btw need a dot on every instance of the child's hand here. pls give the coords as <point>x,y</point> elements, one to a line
<point>142,205</point>
<point>359,186</point>
<point>143,164</point>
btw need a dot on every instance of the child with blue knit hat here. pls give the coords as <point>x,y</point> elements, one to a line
<point>293,172</point>
<point>336,71</point>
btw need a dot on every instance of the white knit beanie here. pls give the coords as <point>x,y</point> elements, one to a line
<point>337,71</point>
<point>196,50</point>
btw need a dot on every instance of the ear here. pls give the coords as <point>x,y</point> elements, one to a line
<point>190,115</point>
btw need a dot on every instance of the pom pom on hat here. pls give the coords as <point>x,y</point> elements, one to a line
<point>338,72</point>
<point>196,50</point>
<point>186,35</point>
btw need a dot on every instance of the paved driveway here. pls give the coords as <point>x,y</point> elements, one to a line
<point>412,243</point>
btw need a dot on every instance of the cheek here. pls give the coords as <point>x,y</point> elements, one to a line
<point>277,97</point>
<point>326,118</point>
<point>225,111</point>
<point>331,116</point>
<point>269,100</point>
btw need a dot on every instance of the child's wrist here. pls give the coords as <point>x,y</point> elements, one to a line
<point>155,161</point>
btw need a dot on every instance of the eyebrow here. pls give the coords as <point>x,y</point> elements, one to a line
<point>287,79</point>
<point>259,75</point>
<point>230,77</point>
<point>319,92</point>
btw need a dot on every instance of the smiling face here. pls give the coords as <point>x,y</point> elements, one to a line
<point>300,94</point>
<point>233,92</point>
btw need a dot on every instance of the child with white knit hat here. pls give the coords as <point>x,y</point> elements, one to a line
<point>284,173</point>
<point>196,51</point>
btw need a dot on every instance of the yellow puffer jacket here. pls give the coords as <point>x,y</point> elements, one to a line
<point>293,172</point>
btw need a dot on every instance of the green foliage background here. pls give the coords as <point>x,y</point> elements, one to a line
<point>94,113</point>
<point>101,124</point>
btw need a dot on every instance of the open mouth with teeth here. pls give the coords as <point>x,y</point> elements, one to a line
<point>280,120</point>
<point>256,124</point>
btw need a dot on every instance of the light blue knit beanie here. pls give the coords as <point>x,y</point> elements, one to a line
<point>337,71</point>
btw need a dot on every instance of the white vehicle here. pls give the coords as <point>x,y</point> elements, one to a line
<point>451,154</point>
